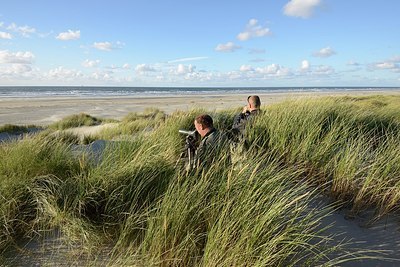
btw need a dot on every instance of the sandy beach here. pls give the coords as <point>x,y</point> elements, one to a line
<point>43,111</point>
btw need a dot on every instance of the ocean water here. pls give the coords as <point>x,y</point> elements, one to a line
<point>86,91</point>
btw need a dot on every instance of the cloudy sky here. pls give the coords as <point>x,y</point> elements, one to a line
<point>200,43</point>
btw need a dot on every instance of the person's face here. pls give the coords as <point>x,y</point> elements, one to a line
<point>199,128</point>
<point>248,103</point>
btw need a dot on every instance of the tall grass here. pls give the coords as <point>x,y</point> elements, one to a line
<point>75,120</point>
<point>11,128</point>
<point>249,217</point>
<point>350,143</point>
<point>256,213</point>
<point>22,166</point>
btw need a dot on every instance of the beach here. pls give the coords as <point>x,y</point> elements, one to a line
<point>314,146</point>
<point>42,111</point>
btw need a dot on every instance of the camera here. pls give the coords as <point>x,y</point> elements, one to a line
<point>190,147</point>
<point>191,133</point>
<point>191,138</point>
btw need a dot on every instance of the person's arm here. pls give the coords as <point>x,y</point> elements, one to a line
<point>238,120</point>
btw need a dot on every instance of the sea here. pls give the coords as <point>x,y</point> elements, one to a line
<point>97,91</point>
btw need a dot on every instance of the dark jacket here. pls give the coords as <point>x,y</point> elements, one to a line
<point>211,146</point>
<point>239,124</point>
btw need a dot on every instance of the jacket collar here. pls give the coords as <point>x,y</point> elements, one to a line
<point>210,132</point>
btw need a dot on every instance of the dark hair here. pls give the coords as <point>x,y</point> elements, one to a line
<point>254,100</point>
<point>205,120</point>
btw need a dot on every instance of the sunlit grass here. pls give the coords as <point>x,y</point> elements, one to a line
<point>138,200</point>
<point>77,120</point>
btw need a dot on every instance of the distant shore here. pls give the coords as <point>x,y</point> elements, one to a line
<point>46,110</point>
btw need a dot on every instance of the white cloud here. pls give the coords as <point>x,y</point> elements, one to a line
<point>256,51</point>
<point>389,64</point>
<point>69,35</point>
<point>114,67</point>
<point>25,31</point>
<point>5,35</point>
<point>353,63</point>
<point>228,47</point>
<point>61,73</point>
<point>385,65</point>
<point>142,68</point>
<point>256,60</point>
<point>187,59</point>
<point>15,70</point>
<point>183,69</point>
<point>90,63</point>
<point>16,58</point>
<point>315,71</point>
<point>253,30</point>
<point>246,68</point>
<point>103,76</point>
<point>392,64</point>
<point>301,8</point>
<point>105,46</point>
<point>323,70</point>
<point>395,59</point>
<point>324,52</point>
<point>126,66</point>
<point>274,70</point>
<point>270,69</point>
<point>305,66</point>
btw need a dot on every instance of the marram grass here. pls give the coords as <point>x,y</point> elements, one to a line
<point>77,120</point>
<point>147,211</point>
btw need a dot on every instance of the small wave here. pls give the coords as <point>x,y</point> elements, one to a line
<point>46,91</point>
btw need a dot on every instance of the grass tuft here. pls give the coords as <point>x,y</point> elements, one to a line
<point>135,202</point>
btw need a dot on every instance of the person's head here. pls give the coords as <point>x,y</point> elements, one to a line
<point>253,102</point>
<point>203,124</point>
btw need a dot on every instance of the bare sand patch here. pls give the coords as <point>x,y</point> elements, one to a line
<point>90,130</point>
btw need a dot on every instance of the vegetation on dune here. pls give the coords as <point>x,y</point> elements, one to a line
<point>12,129</point>
<point>77,120</point>
<point>26,165</point>
<point>256,213</point>
<point>351,144</point>
<point>134,123</point>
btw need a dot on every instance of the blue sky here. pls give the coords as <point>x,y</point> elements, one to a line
<point>200,43</point>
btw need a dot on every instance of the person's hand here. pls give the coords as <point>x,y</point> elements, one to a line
<point>245,109</point>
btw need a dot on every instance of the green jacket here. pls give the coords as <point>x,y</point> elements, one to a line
<point>211,147</point>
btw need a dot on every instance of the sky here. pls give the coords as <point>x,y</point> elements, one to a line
<point>193,43</point>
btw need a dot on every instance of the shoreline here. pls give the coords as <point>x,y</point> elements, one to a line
<point>42,111</point>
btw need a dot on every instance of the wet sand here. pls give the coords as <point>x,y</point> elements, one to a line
<point>43,111</point>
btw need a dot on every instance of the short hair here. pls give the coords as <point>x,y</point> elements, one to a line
<point>205,120</point>
<point>254,100</point>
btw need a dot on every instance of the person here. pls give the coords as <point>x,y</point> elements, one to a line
<point>212,142</point>
<point>240,121</point>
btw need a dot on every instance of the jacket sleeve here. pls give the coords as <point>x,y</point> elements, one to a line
<point>237,121</point>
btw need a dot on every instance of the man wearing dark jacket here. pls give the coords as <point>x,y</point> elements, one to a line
<point>213,143</point>
<point>249,111</point>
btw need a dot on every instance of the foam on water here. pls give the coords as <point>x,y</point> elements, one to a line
<point>83,91</point>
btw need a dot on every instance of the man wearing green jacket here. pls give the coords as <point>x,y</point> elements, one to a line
<point>213,143</point>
